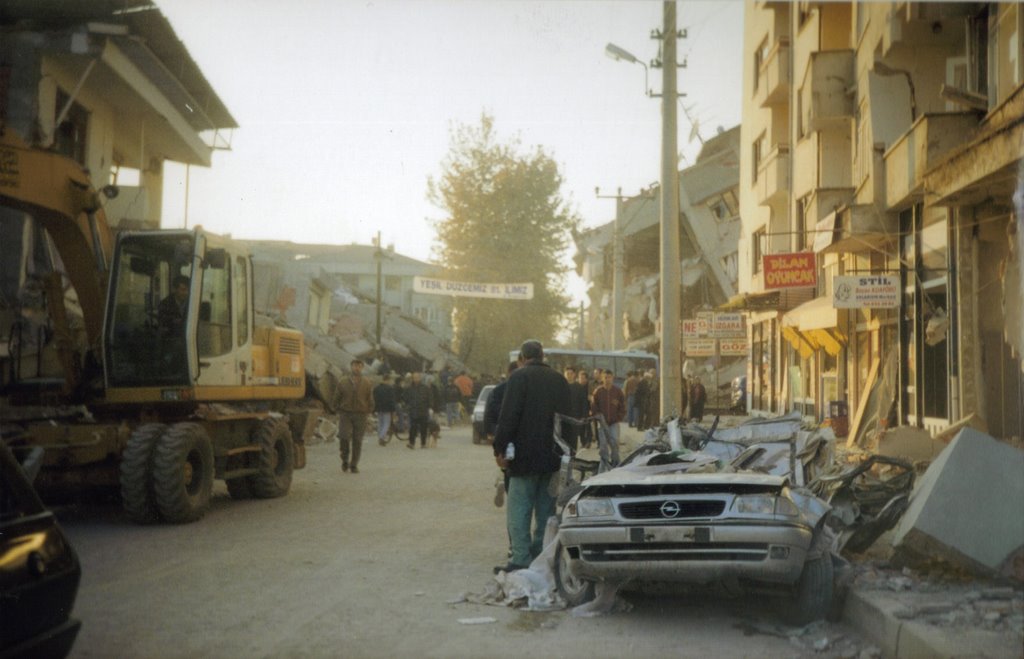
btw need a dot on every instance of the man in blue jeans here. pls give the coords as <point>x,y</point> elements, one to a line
<point>534,394</point>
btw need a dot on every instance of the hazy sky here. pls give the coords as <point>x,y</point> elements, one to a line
<point>345,107</point>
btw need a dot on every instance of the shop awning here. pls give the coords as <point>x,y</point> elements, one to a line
<point>763,301</point>
<point>812,326</point>
<point>815,314</point>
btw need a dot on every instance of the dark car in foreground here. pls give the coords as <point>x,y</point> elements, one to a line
<point>676,517</point>
<point>479,432</point>
<point>39,571</point>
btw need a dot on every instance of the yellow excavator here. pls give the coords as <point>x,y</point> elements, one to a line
<point>140,363</point>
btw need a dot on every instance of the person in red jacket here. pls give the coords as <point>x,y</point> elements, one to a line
<point>610,402</point>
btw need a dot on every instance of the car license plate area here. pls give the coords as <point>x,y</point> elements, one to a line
<point>659,534</point>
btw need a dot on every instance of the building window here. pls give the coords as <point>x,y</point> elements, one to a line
<point>758,152</point>
<point>392,283</point>
<point>760,57</point>
<point>757,248</point>
<point>800,222</point>
<point>350,281</point>
<point>730,263</point>
<point>70,136</point>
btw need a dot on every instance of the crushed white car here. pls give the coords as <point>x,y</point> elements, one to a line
<point>669,514</point>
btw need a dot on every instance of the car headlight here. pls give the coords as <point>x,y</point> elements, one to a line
<point>754,504</point>
<point>764,504</point>
<point>591,508</point>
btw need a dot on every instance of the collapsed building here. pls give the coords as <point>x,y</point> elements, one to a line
<point>330,292</point>
<point>620,260</point>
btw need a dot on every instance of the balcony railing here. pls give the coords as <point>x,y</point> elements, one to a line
<point>919,149</point>
<point>825,96</point>
<point>773,176</point>
<point>773,87</point>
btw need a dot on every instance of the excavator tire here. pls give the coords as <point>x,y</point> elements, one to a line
<point>137,495</point>
<point>276,459</point>
<point>183,473</point>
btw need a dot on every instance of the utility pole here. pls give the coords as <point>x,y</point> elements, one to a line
<point>670,270</point>
<point>379,255</point>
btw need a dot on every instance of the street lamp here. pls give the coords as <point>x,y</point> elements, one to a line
<point>670,272</point>
<point>622,55</point>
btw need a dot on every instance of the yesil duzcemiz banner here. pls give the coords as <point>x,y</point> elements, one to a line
<point>433,286</point>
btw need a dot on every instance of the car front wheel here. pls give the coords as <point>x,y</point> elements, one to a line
<point>574,590</point>
<point>812,594</point>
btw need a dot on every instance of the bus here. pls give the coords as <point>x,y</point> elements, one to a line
<point>619,362</point>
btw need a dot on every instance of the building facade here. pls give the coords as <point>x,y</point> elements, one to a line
<point>883,142</point>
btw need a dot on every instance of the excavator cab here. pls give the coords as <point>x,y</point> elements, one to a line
<point>147,327</point>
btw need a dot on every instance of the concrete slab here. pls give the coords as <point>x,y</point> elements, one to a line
<point>911,443</point>
<point>965,508</point>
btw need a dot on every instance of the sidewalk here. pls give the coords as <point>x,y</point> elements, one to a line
<point>907,618</point>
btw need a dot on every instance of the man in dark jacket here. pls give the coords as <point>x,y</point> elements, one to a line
<point>385,404</point>
<point>418,401</point>
<point>610,403</point>
<point>535,393</point>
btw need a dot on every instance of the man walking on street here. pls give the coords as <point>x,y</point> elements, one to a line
<point>385,404</point>
<point>535,393</point>
<point>629,388</point>
<point>611,403</point>
<point>418,401</point>
<point>355,403</point>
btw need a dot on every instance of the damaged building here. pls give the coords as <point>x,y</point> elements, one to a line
<point>620,260</point>
<point>330,292</point>
<point>880,195</point>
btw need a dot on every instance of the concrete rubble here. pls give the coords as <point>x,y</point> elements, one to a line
<point>966,509</point>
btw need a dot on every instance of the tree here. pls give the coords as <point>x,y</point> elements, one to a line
<point>506,223</point>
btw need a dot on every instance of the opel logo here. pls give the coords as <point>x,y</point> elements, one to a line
<point>669,509</point>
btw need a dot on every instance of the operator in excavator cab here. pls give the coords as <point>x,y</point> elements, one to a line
<point>172,309</point>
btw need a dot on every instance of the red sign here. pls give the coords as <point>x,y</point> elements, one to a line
<point>790,270</point>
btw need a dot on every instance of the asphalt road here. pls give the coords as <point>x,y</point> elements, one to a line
<point>364,565</point>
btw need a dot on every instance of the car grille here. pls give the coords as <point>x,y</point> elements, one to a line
<point>675,551</point>
<point>687,509</point>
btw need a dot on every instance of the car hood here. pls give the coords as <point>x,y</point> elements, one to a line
<point>698,471</point>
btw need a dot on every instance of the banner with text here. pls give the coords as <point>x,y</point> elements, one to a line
<point>866,292</point>
<point>797,270</point>
<point>432,286</point>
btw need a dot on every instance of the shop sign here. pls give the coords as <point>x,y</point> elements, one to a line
<point>729,326</point>
<point>866,292</point>
<point>691,328</point>
<point>733,347</point>
<point>705,320</point>
<point>796,270</point>
<point>697,347</point>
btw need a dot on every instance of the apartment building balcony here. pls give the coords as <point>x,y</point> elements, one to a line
<point>860,228</point>
<point>930,138</point>
<point>772,185</point>
<point>819,214</point>
<point>824,97</point>
<point>773,77</point>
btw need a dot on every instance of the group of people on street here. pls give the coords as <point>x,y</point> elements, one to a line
<point>417,397</point>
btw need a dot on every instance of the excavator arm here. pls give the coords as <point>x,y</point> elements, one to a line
<point>57,192</point>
